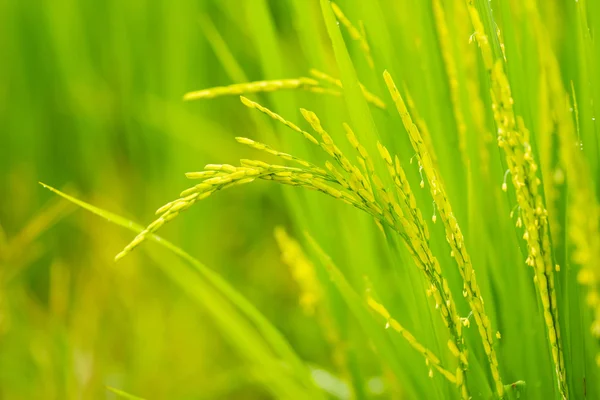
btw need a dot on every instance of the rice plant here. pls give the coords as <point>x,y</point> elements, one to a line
<point>436,167</point>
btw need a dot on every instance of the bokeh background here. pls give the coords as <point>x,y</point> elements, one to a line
<point>91,103</point>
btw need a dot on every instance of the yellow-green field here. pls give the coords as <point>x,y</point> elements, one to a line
<point>383,199</point>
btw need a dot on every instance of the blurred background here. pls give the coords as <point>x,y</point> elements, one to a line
<point>91,103</point>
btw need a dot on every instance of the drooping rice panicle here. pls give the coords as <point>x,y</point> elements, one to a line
<point>232,176</point>
<point>354,190</point>
<point>355,34</point>
<point>513,139</point>
<point>452,74</point>
<point>360,195</point>
<point>252,87</point>
<point>454,234</point>
<point>249,171</point>
<point>583,209</point>
<point>413,231</point>
<point>430,358</point>
<point>370,97</point>
<point>415,234</point>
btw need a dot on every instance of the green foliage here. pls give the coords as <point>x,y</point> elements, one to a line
<point>447,246</point>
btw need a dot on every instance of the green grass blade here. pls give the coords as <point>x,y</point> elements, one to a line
<point>270,333</point>
<point>122,394</point>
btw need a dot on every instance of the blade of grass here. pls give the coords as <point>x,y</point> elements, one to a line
<point>123,394</point>
<point>271,334</point>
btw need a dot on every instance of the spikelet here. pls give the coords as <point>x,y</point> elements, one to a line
<point>251,104</point>
<point>513,138</point>
<point>268,149</point>
<point>420,122</point>
<point>357,181</point>
<point>370,97</point>
<point>363,156</point>
<point>355,34</point>
<point>231,176</point>
<point>454,234</point>
<point>403,190</point>
<point>252,87</point>
<point>326,141</point>
<point>430,358</point>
